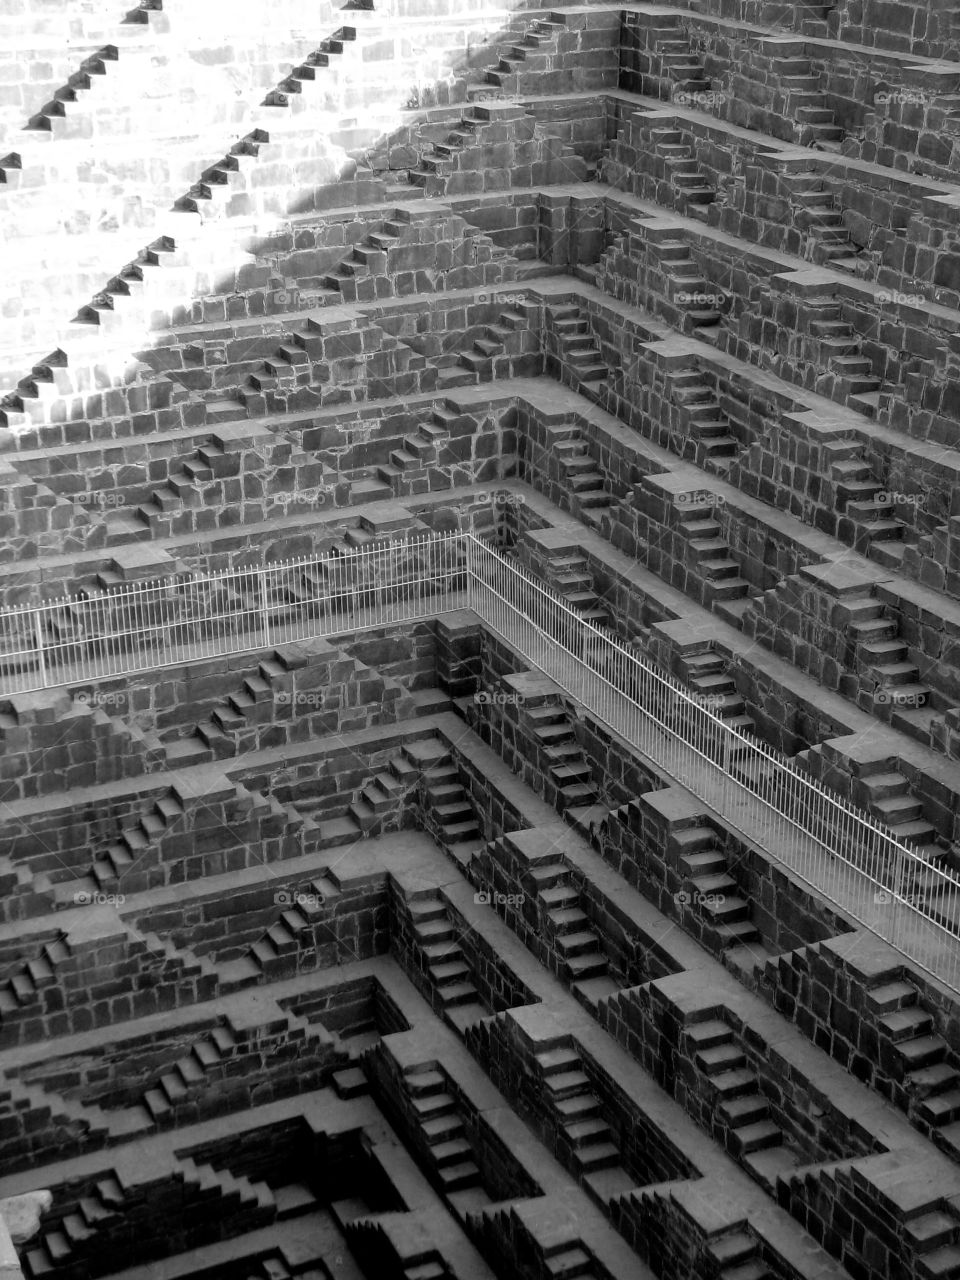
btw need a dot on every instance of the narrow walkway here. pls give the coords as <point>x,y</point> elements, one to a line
<point>818,863</point>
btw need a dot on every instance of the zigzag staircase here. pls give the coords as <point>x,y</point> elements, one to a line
<point>707,435</point>
<point>828,239</point>
<point>583,962</point>
<point>524,63</point>
<point>452,1157</point>
<point>692,193</point>
<point>585,1142</point>
<point>591,494</point>
<point>435,938</point>
<point>682,69</point>
<point>571,777</point>
<point>742,1110</point>
<point>580,358</point>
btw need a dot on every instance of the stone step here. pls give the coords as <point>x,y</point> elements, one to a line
<point>755,1137</point>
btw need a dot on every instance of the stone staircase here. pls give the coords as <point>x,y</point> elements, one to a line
<point>742,1111</point>
<point>291,943</point>
<point>874,526</point>
<point>306,72</point>
<point>524,62</point>
<point>56,116</point>
<point>223,734</point>
<point>187,1073</point>
<point>567,928</point>
<point>681,67</point>
<point>95,1212</point>
<point>807,105</point>
<point>378,799</point>
<point>692,194</point>
<point>920,1067</point>
<point>451,1155</point>
<point>736,1256</point>
<point>585,1142</point>
<point>579,354</point>
<point>435,938</point>
<point>568,573</point>
<point>707,678</point>
<point>218,183</point>
<point>161,270</point>
<point>849,377</point>
<point>420,451</point>
<point>436,162</point>
<point>202,1181</point>
<point>381,796</point>
<point>590,492</point>
<point>549,725</point>
<point>819,214</point>
<point>710,555</point>
<point>886,794</point>
<point>108,869</point>
<point>912,1051</point>
<point>692,297</point>
<point>477,363</point>
<point>708,891</point>
<point>26,1110</point>
<point>37,989</point>
<point>880,652</point>
<point>448,809</point>
<point>55,382</point>
<point>815,18</point>
<point>707,436</point>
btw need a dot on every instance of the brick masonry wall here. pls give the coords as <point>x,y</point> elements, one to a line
<point>349,1008</point>
<point>56,742</point>
<point>99,982</point>
<point>349,925</point>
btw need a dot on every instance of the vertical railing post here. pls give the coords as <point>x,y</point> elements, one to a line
<point>41,648</point>
<point>263,606</point>
<point>469,560</point>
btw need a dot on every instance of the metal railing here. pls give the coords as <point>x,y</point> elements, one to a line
<point>836,848</point>
<point>186,618</point>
